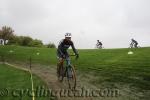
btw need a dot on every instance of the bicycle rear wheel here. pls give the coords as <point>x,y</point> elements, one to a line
<point>71,77</point>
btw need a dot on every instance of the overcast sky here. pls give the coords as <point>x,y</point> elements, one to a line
<point>114,22</point>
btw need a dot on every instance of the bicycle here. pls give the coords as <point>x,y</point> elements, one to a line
<point>99,46</point>
<point>68,72</point>
<point>133,45</point>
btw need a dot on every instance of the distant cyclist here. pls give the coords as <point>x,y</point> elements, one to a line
<point>134,44</point>
<point>63,47</point>
<point>99,44</point>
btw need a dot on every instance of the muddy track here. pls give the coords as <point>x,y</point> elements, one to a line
<point>48,75</point>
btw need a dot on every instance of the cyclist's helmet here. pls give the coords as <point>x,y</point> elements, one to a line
<point>68,35</point>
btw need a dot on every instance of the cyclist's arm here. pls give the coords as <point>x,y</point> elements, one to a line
<point>60,51</point>
<point>74,49</point>
<point>60,47</point>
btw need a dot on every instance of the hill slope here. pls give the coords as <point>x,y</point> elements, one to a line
<point>110,68</point>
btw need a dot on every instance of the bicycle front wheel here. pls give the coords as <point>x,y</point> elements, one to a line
<point>71,76</point>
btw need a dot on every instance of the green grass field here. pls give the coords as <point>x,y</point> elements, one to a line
<point>16,85</point>
<point>112,67</point>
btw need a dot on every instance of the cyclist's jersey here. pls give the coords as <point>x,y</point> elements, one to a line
<point>64,45</point>
<point>133,41</point>
<point>99,43</point>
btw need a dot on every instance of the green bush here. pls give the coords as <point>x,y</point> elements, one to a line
<point>51,45</point>
<point>7,33</point>
<point>36,43</point>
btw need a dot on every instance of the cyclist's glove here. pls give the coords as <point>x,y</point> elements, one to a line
<point>77,56</point>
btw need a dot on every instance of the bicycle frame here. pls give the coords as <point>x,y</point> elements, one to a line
<point>65,71</point>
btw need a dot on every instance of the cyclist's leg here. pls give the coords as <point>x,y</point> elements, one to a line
<point>136,45</point>
<point>59,57</point>
<point>68,63</point>
<point>131,45</point>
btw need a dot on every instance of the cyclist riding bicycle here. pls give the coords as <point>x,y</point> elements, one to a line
<point>99,44</point>
<point>63,47</point>
<point>134,44</point>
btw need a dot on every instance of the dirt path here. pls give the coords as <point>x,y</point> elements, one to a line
<point>48,75</point>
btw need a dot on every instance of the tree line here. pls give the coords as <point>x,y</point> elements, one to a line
<point>8,36</point>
